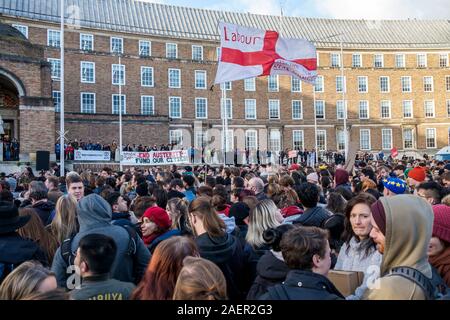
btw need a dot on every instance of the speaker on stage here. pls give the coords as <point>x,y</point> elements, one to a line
<point>42,160</point>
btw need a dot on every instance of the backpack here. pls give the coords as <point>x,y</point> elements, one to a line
<point>69,257</point>
<point>434,289</point>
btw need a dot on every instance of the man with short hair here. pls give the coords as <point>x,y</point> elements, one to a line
<point>39,202</point>
<point>188,183</point>
<point>446,179</point>
<point>314,215</point>
<point>257,186</point>
<point>176,189</point>
<point>430,191</point>
<point>75,186</point>
<point>94,258</point>
<point>52,184</point>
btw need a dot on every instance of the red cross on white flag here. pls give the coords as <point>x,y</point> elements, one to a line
<point>249,52</point>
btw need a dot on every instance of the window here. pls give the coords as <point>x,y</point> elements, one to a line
<point>356,60</point>
<point>274,109</point>
<point>297,110</point>
<point>176,137</point>
<point>319,84</point>
<point>384,84</point>
<point>201,108</point>
<point>421,60</point>
<point>87,72</point>
<point>250,84</point>
<point>298,140</point>
<point>447,83</point>
<point>443,60</point>
<point>197,53</point>
<point>86,42</point>
<point>362,84</point>
<point>171,51</point>
<point>431,138</point>
<point>87,102</point>
<point>406,84</point>
<point>428,84</point>
<point>272,83</point>
<point>200,79</point>
<point>321,140</point>
<point>201,139</point>
<point>23,29</point>
<point>378,61</point>
<point>320,109</point>
<point>119,100</point>
<point>147,105</point>
<point>296,84</point>
<point>55,68</point>
<point>56,95</point>
<point>400,61</point>
<point>174,78</point>
<point>429,108</point>
<point>364,139</point>
<point>174,107</point>
<point>386,139</point>
<point>407,109</point>
<point>340,84</point>
<point>251,140</point>
<point>250,109</point>
<point>147,76</point>
<point>341,109</point>
<point>225,86</point>
<point>228,108</point>
<point>448,108</point>
<point>275,140</point>
<point>54,38</point>
<point>364,109</point>
<point>408,141</point>
<point>335,60</point>
<point>340,139</point>
<point>116,45</point>
<point>118,74</point>
<point>385,107</point>
<point>145,48</point>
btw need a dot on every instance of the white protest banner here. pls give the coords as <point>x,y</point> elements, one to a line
<point>248,52</point>
<point>155,158</point>
<point>92,155</point>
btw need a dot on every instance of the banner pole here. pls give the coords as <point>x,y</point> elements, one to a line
<point>315,124</point>
<point>224,123</point>
<point>61,121</point>
<point>344,88</point>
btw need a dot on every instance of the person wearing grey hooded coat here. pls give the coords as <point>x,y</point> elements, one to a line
<point>94,216</point>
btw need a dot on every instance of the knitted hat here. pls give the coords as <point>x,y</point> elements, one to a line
<point>379,215</point>
<point>341,177</point>
<point>312,177</point>
<point>395,185</point>
<point>294,167</point>
<point>441,225</point>
<point>158,216</point>
<point>417,174</point>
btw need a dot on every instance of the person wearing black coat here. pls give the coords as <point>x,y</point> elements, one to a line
<point>216,245</point>
<point>313,216</point>
<point>306,252</point>
<point>13,248</point>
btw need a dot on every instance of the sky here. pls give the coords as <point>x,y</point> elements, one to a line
<point>340,9</point>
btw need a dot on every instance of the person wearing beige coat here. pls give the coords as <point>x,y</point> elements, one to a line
<point>402,227</point>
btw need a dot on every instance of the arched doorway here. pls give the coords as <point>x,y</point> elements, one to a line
<point>9,116</point>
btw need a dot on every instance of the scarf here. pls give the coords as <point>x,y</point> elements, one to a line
<point>442,264</point>
<point>149,239</point>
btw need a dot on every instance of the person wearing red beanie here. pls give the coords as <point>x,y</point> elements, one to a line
<point>439,248</point>
<point>416,176</point>
<point>155,222</point>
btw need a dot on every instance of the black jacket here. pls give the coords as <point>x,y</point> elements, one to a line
<point>44,210</point>
<point>303,285</point>
<point>175,194</point>
<point>252,256</point>
<point>270,271</point>
<point>14,250</point>
<point>226,252</point>
<point>313,217</point>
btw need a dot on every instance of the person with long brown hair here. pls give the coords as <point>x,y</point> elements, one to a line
<point>165,265</point>
<point>200,279</point>
<point>218,246</point>
<point>35,231</point>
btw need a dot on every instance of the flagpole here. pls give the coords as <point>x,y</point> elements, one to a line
<point>61,113</point>
<point>224,122</point>
<point>344,88</point>
<point>120,115</point>
<point>315,123</point>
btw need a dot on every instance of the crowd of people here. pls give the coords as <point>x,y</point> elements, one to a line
<point>11,148</point>
<point>250,232</point>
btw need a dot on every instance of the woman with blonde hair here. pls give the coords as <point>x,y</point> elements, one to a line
<point>65,224</point>
<point>200,279</point>
<point>35,231</point>
<point>178,211</point>
<point>27,279</point>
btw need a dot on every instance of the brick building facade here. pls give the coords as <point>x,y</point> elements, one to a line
<point>397,79</point>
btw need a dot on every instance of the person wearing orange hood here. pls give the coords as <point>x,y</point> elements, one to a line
<point>439,248</point>
<point>401,228</point>
<point>415,177</point>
